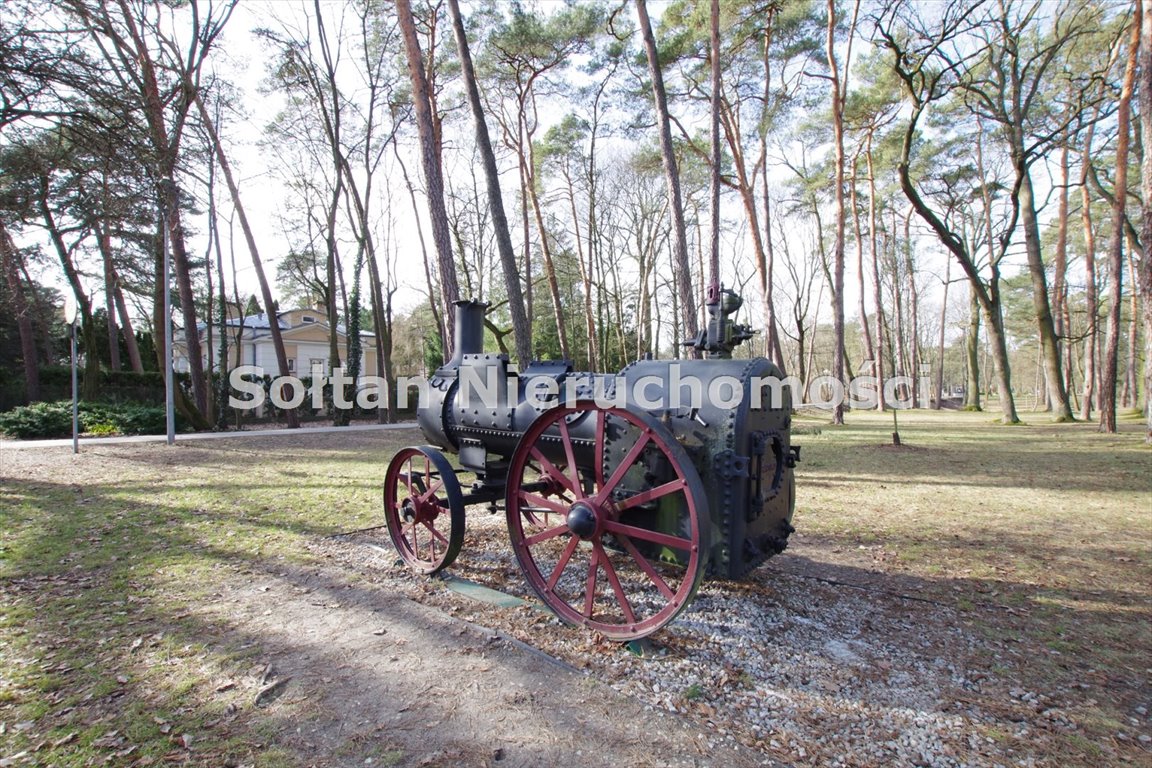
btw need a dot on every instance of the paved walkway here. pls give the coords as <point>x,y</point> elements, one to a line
<point>6,445</point>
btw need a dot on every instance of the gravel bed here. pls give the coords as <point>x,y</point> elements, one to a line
<point>808,672</point>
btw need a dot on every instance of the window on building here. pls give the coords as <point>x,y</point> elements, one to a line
<point>307,319</point>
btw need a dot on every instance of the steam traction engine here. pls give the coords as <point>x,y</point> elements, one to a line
<point>622,493</point>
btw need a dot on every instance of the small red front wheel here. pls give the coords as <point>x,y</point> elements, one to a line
<point>608,519</point>
<point>424,508</point>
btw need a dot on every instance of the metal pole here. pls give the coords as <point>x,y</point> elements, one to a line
<point>75,398</point>
<point>169,383</point>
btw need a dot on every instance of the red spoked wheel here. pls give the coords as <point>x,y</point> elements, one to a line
<point>424,508</point>
<point>608,519</point>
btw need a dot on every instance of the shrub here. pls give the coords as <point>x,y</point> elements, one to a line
<point>101,429</point>
<point>46,420</point>
<point>139,419</point>
<point>39,420</point>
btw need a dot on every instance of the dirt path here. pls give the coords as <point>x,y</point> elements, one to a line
<point>360,677</point>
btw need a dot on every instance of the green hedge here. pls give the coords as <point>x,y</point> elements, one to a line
<point>62,375</point>
<point>46,420</point>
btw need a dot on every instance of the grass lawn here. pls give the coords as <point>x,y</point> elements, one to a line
<point>1049,525</point>
<point>109,559</point>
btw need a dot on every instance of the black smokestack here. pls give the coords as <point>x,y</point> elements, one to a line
<point>469,330</point>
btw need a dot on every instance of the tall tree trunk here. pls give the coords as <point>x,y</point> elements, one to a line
<point>671,177</point>
<point>866,329</point>
<point>595,308</point>
<point>938,402</point>
<point>521,330</point>
<point>913,310</point>
<point>549,264</point>
<point>1059,270</point>
<point>88,326</point>
<point>838,204</point>
<point>340,416</point>
<point>387,414</point>
<point>590,345</point>
<point>1131,386</point>
<point>166,149</point>
<point>714,172</point>
<point>440,318</point>
<point>972,350</point>
<point>1049,343</point>
<point>126,324</point>
<point>988,295</point>
<point>525,227</point>
<point>1116,246</point>
<point>270,312</point>
<point>775,351</point>
<point>222,386</point>
<point>170,199</point>
<point>104,239</point>
<point>877,285</point>
<point>182,404</point>
<point>430,158</point>
<point>899,342</point>
<point>114,299</point>
<point>1145,268</point>
<point>1092,311</point>
<point>327,97</point>
<point>29,358</point>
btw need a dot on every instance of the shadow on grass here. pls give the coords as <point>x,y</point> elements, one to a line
<point>958,463</point>
<point>133,638</point>
<point>88,570</point>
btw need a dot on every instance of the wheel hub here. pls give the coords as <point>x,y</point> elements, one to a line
<point>582,520</point>
<point>419,511</point>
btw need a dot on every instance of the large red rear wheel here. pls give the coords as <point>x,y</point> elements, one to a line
<point>608,519</point>
<point>424,508</point>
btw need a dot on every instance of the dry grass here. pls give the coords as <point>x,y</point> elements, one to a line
<point>1045,528</point>
<point>105,558</point>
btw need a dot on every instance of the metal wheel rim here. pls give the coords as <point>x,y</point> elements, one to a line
<point>421,495</point>
<point>601,564</point>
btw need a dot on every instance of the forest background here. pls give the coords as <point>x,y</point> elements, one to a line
<point>958,187</point>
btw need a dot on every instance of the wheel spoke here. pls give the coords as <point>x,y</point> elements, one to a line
<point>431,492</point>
<point>656,537</point>
<point>566,438</point>
<point>562,563</point>
<point>646,566</point>
<point>551,533</point>
<point>590,584</point>
<point>625,465</point>
<point>436,534</point>
<point>413,540</point>
<point>546,503</point>
<point>553,471</point>
<point>651,495</point>
<point>614,580</point>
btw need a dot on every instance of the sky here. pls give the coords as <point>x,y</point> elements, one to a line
<point>244,65</point>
